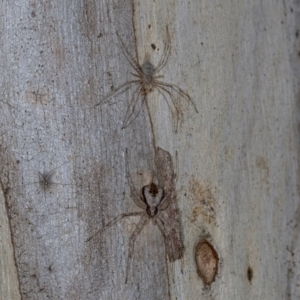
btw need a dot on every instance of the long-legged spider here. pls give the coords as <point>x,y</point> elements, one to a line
<point>146,82</point>
<point>154,200</point>
<point>45,179</point>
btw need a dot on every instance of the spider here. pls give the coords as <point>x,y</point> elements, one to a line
<point>153,199</point>
<point>147,80</point>
<point>45,179</point>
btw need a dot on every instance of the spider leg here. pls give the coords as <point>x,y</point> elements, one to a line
<point>133,62</point>
<point>134,108</point>
<point>48,175</point>
<point>58,166</point>
<point>134,99</point>
<point>165,55</point>
<point>162,226</point>
<point>43,182</point>
<point>137,75</point>
<point>173,102</point>
<point>165,177</point>
<point>135,195</point>
<point>165,202</point>
<point>177,89</point>
<point>159,90</point>
<point>116,90</point>
<point>45,179</point>
<point>177,112</point>
<point>114,221</point>
<point>172,238</point>
<point>144,220</point>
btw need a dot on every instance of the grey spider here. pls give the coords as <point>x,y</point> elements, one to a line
<point>45,179</point>
<point>153,199</point>
<point>147,80</point>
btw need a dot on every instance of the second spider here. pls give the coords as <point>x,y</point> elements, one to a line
<point>147,80</point>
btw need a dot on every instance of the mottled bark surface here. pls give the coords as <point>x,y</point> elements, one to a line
<point>63,173</point>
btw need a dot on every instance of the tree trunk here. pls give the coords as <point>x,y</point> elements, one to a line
<point>234,163</point>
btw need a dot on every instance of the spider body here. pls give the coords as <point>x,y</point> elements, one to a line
<point>154,201</point>
<point>148,69</point>
<point>152,195</point>
<point>148,80</point>
<point>148,77</point>
<point>46,179</point>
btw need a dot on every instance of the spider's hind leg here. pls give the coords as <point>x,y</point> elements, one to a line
<point>178,111</point>
<point>144,220</point>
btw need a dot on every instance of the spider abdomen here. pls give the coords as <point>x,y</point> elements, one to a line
<point>148,68</point>
<point>152,211</point>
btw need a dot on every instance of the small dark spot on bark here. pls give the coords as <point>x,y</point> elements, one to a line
<point>149,26</point>
<point>153,46</point>
<point>250,274</point>
<point>18,161</point>
<point>292,10</point>
<point>297,33</point>
<point>201,43</point>
<point>33,14</point>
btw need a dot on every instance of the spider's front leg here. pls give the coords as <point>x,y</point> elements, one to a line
<point>133,61</point>
<point>165,55</point>
<point>168,216</point>
<point>174,104</point>
<point>135,195</point>
<point>114,221</point>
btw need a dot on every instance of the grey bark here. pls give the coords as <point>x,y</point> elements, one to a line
<point>236,160</point>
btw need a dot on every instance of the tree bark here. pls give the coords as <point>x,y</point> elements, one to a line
<point>63,163</point>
